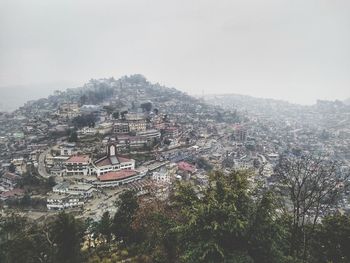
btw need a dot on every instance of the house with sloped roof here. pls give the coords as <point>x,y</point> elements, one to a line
<point>117,178</point>
<point>186,167</point>
<point>9,180</point>
<point>112,162</point>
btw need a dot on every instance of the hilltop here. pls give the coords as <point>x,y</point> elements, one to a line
<point>127,93</point>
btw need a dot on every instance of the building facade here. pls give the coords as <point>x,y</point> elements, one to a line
<point>112,162</point>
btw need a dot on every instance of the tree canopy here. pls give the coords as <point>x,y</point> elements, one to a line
<point>229,221</point>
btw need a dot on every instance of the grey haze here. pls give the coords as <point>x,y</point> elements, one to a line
<point>296,50</point>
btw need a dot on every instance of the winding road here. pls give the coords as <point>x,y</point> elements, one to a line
<point>41,164</point>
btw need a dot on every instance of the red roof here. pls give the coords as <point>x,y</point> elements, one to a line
<point>11,176</point>
<point>115,176</point>
<point>12,193</point>
<point>186,167</point>
<point>105,161</point>
<point>78,159</point>
<point>123,160</point>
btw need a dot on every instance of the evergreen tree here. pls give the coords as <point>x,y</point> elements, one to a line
<point>123,218</point>
<point>331,242</point>
<point>104,226</point>
<point>66,233</point>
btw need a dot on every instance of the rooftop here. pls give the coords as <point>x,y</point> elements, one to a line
<point>78,159</point>
<point>12,193</point>
<point>11,176</point>
<point>112,160</point>
<point>186,167</point>
<point>115,176</point>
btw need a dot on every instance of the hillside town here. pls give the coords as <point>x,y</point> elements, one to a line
<point>234,147</point>
<point>79,149</point>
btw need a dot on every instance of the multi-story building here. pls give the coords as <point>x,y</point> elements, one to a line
<point>131,141</point>
<point>68,110</point>
<point>59,202</point>
<point>240,133</point>
<point>85,190</point>
<point>78,165</point>
<point>149,134</point>
<point>9,180</point>
<point>121,127</point>
<point>67,149</point>
<point>105,128</point>
<point>171,132</point>
<point>117,178</point>
<point>61,188</point>
<point>87,131</point>
<point>137,125</point>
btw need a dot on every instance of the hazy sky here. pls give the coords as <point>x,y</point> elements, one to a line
<point>297,50</point>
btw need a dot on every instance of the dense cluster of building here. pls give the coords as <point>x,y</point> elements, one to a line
<point>111,135</point>
<point>103,137</point>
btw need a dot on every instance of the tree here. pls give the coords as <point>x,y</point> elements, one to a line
<point>331,241</point>
<point>86,120</point>
<point>108,109</point>
<point>66,233</point>
<point>83,99</point>
<point>265,234</point>
<point>104,226</point>
<point>204,164</point>
<point>22,241</point>
<point>217,225</point>
<point>73,136</point>
<point>51,182</point>
<point>167,141</point>
<point>184,197</point>
<point>229,223</point>
<point>115,115</point>
<point>12,168</point>
<point>312,184</point>
<point>154,223</point>
<point>147,106</point>
<point>123,218</point>
<point>26,200</point>
<point>122,114</point>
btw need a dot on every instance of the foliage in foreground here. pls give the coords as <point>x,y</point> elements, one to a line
<point>229,222</point>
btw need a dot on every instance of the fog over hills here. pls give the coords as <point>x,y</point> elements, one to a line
<point>293,50</point>
<point>15,96</point>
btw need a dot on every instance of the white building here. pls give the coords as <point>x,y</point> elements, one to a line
<point>114,179</point>
<point>105,128</point>
<point>85,190</point>
<point>78,165</point>
<point>87,131</point>
<point>61,188</point>
<point>149,134</point>
<point>112,163</point>
<point>121,127</point>
<point>137,125</point>
<point>67,149</point>
<point>60,202</point>
<point>161,176</point>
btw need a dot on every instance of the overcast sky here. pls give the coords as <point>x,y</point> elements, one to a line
<point>297,50</point>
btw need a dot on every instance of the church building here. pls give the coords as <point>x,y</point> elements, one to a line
<point>112,162</point>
